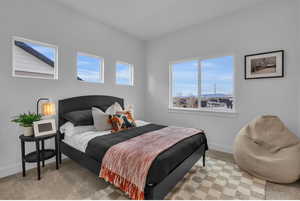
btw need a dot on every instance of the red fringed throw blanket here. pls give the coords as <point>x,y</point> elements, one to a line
<point>126,164</point>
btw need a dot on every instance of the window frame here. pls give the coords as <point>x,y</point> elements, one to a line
<point>101,80</point>
<point>131,67</point>
<point>56,66</point>
<point>201,109</point>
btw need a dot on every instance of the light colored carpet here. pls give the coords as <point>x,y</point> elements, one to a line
<point>218,180</point>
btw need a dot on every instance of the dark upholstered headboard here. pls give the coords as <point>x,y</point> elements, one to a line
<point>85,103</point>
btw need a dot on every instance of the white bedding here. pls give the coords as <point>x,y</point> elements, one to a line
<point>78,137</point>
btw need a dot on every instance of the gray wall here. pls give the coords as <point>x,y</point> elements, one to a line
<point>47,22</point>
<point>266,27</point>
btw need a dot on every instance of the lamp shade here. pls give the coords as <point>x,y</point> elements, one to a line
<point>48,108</point>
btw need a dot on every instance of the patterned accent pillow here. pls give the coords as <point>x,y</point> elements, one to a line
<point>121,121</point>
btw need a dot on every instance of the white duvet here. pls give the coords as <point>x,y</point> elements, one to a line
<point>79,136</point>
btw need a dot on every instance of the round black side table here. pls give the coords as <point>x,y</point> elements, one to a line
<point>40,155</point>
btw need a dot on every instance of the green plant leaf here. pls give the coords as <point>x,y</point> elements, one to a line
<point>27,119</point>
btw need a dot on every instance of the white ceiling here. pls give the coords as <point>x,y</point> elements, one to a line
<point>147,19</point>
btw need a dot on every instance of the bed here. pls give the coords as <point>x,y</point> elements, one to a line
<point>165,172</point>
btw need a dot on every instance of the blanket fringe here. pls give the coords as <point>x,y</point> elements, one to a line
<point>131,189</point>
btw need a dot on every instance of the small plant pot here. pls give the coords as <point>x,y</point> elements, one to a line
<point>28,131</point>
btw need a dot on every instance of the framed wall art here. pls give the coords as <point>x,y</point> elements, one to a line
<point>264,65</point>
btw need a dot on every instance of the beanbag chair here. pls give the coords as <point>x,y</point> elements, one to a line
<point>268,150</point>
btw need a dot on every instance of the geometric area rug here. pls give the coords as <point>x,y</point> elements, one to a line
<point>218,180</point>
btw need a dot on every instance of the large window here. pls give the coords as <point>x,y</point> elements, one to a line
<point>34,59</point>
<point>203,84</point>
<point>124,73</point>
<point>89,68</point>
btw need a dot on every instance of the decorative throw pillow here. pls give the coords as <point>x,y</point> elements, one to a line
<point>114,108</point>
<point>121,121</point>
<point>116,123</point>
<point>129,118</point>
<point>100,120</point>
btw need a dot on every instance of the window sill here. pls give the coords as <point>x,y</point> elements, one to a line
<point>209,112</point>
<point>90,82</point>
<point>125,85</point>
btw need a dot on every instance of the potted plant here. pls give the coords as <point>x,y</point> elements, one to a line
<point>26,121</point>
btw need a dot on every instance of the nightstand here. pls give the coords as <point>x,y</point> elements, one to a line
<point>41,154</point>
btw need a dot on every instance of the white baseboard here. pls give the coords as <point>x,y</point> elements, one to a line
<point>17,167</point>
<point>222,148</point>
<point>10,170</point>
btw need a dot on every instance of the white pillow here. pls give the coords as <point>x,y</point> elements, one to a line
<point>100,119</point>
<point>68,126</point>
<point>69,129</point>
<point>116,107</point>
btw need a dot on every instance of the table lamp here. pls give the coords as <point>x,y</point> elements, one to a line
<point>48,107</point>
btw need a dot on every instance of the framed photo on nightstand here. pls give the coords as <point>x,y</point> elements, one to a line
<point>44,127</point>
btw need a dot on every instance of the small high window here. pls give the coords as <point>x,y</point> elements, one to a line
<point>32,59</point>
<point>90,68</point>
<point>124,73</point>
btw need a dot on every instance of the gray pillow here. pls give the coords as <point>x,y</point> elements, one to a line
<point>80,117</point>
<point>100,120</point>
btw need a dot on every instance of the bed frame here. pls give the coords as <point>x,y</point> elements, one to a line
<point>152,192</point>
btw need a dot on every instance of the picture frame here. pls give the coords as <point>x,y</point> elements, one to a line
<point>264,65</point>
<point>44,127</point>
